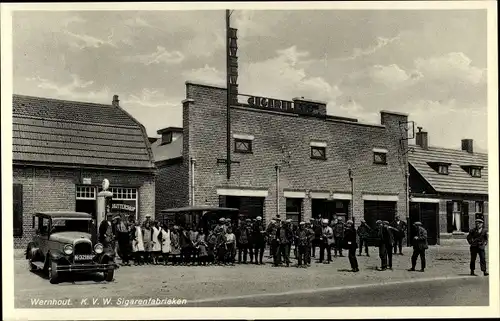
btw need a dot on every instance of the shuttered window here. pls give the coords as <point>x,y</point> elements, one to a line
<point>17,191</point>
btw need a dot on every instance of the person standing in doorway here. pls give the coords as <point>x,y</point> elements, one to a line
<point>349,243</point>
<point>326,240</point>
<point>364,233</point>
<point>399,234</point>
<point>478,240</point>
<point>419,246</point>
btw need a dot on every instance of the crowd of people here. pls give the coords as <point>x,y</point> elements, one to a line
<point>227,242</point>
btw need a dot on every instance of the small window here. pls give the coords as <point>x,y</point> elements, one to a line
<point>380,158</point>
<point>479,208</point>
<point>318,152</point>
<point>166,138</point>
<point>443,169</point>
<point>242,145</point>
<point>475,172</point>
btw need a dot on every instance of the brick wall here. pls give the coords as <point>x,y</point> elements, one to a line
<point>349,145</point>
<point>172,186</point>
<point>55,189</point>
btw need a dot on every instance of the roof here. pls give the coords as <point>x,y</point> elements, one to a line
<point>65,214</point>
<point>167,151</point>
<point>458,180</point>
<point>199,208</point>
<point>49,130</point>
<point>169,129</point>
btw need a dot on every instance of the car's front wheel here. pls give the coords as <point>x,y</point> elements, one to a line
<point>109,274</point>
<point>31,266</point>
<point>53,274</point>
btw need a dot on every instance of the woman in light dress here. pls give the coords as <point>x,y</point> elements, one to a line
<point>147,236</point>
<point>156,248</point>
<point>166,246</point>
<point>137,243</point>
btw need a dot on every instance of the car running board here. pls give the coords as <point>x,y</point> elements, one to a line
<point>39,265</point>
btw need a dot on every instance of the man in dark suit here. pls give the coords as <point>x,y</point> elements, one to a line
<point>399,234</point>
<point>285,238</point>
<point>106,236</point>
<point>419,246</point>
<point>363,233</point>
<point>386,240</point>
<point>478,239</point>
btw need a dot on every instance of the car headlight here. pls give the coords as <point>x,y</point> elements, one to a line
<point>98,248</point>
<point>68,249</point>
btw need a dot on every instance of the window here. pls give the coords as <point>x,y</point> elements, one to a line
<point>475,172</point>
<point>443,169</point>
<point>166,138</point>
<point>294,209</point>
<point>85,193</point>
<point>318,152</point>
<point>380,158</point>
<point>479,207</point>
<point>17,191</point>
<point>242,145</point>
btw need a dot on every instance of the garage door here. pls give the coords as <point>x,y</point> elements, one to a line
<point>377,210</point>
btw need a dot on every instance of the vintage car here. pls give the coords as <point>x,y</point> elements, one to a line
<point>66,242</point>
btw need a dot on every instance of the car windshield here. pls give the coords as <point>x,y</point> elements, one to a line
<point>70,225</point>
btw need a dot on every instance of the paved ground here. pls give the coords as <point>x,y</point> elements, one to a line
<point>197,284</point>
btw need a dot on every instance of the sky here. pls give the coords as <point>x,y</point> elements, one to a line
<point>431,64</point>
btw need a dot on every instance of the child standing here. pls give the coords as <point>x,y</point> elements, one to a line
<point>230,246</point>
<point>175,247</point>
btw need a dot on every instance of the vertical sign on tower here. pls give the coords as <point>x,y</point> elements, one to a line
<point>232,82</point>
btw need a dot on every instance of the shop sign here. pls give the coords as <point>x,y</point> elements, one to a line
<point>297,107</point>
<point>123,206</point>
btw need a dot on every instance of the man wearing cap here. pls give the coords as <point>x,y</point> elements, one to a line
<point>316,227</point>
<point>285,237</point>
<point>399,234</point>
<point>259,240</point>
<point>478,240</point>
<point>289,225</point>
<point>326,240</point>
<point>249,224</point>
<point>272,234</point>
<point>303,242</point>
<point>106,237</point>
<point>419,246</point>
<point>338,235</point>
<point>242,236</point>
<point>384,245</point>
<point>363,233</point>
<point>350,244</point>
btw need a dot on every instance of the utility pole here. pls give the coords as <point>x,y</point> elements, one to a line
<point>228,100</point>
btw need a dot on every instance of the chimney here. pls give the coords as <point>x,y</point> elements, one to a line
<point>467,145</point>
<point>116,101</point>
<point>422,139</point>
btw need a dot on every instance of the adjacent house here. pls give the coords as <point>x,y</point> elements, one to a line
<point>63,150</point>
<point>449,188</point>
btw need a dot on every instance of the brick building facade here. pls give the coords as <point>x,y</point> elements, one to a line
<point>63,150</point>
<point>449,188</point>
<point>320,150</point>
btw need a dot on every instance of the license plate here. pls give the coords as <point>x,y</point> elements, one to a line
<point>83,257</point>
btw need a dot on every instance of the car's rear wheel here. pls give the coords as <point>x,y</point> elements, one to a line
<point>53,274</point>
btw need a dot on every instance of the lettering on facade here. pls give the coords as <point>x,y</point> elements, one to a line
<point>123,207</point>
<point>297,107</point>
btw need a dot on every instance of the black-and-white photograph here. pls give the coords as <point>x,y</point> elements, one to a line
<point>250,156</point>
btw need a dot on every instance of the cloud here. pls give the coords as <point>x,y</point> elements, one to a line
<point>138,22</point>
<point>149,98</point>
<point>82,41</point>
<point>73,19</point>
<point>161,55</point>
<point>206,74</point>
<point>453,66</point>
<point>381,43</point>
<point>247,24</point>
<point>205,44</point>
<point>77,89</point>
